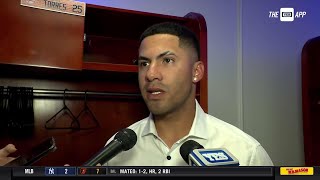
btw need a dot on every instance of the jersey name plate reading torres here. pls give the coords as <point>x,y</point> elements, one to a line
<point>62,6</point>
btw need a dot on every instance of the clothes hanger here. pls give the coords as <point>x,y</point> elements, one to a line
<point>87,110</point>
<point>65,109</point>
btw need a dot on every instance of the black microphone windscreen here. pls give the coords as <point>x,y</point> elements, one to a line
<point>187,147</point>
<point>124,140</point>
<point>127,137</point>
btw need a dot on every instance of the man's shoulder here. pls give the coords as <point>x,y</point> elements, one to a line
<point>136,127</point>
<point>242,145</point>
<point>139,124</point>
<point>229,131</point>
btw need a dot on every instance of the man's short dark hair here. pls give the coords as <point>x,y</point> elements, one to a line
<point>186,36</point>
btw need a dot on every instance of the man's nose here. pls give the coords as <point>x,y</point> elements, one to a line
<point>153,73</point>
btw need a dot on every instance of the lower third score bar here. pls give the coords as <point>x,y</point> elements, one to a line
<point>75,171</point>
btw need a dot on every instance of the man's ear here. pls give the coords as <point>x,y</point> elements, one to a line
<point>198,71</point>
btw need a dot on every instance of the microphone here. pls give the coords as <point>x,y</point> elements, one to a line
<point>124,140</point>
<point>195,155</point>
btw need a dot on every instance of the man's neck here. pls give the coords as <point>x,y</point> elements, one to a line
<point>176,125</point>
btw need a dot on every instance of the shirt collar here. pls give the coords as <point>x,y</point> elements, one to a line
<point>198,128</point>
<point>150,127</point>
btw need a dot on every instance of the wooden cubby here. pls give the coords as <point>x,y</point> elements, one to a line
<point>49,50</point>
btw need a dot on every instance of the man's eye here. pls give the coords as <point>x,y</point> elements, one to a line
<point>143,63</point>
<point>168,60</point>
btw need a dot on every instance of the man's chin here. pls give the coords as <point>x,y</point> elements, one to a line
<point>157,110</point>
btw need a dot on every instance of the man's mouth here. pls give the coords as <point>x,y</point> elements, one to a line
<point>155,93</point>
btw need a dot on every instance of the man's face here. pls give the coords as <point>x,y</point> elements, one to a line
<point>165,73</point>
